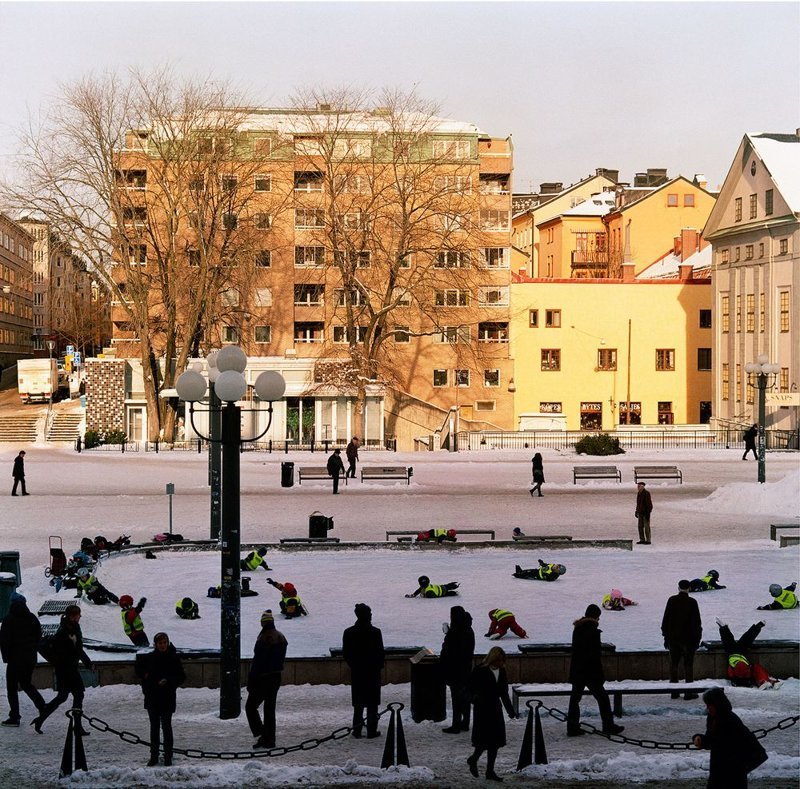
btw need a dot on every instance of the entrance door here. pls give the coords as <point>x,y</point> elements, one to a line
<point>300,419</point>
<point>705,412</point>
<point>136,423</point>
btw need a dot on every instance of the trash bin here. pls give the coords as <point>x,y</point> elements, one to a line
<point>9,563</point>
<point>287,474</point>
<point>428,696</point>
<point>8,585</point>
<point>318,524</point>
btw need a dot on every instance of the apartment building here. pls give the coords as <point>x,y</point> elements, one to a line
<point>367,255</point>
<point>754,231</point>
<point>16,302</point>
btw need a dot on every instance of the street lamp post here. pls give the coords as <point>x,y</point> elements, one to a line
<point>51,344</point>
<point>761,375</point>
<point>230,386</point>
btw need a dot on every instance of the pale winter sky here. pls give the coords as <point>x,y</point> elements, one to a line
<point>579,85</point>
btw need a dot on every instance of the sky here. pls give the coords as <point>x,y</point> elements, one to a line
<point>579,85</point>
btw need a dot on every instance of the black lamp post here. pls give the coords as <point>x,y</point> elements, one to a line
<point>230,386</point>
<point>761,375</point>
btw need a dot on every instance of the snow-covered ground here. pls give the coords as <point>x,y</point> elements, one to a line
<point>718,518</point>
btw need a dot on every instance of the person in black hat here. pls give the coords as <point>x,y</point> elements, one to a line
<point>335,468</point>
<point>682,631</point>
<point>362,650</point>
<point>586,671</point>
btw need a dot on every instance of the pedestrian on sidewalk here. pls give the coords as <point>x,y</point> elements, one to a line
<point>19,474</point>
<point>352,456</point>
<point>458,652</point>
<point>362,650</point>
<point>682,630</point>
<point>644,506</point>
<point>537,470</point>
<point>750,441</point>
<point>335,468</point>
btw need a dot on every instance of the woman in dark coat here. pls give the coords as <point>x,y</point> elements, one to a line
<point>456,658</point>
<point>538,474</point>
<point>735,751</point>
<point>161,673</point>
<point>489,686</point>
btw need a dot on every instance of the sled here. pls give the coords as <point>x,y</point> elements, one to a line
<point>58,559</point>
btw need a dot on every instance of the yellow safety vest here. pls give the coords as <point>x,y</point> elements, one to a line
<point>501,614</point>
<point>735,659</point>
<point>86,586</point>
<point>253,561</point>
<point>435,589</point>
<point>787,599</point>
<point>439,533</point>
<point>129,628</point>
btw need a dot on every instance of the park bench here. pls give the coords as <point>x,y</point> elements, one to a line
<point>789,539</point>
<point>408,536</point>
<point>595,472</point>
<point>390,651</point>
<point>307,540</point>
<point>315,472</point>
<point>615,689</point>
<point>657,472</point>
<point>775,527</point>
<point>542,538</point>
<point>387,472</point>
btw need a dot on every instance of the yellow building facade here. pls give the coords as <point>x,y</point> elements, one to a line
<point>592,354</point>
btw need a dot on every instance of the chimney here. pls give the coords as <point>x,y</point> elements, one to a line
<point>551,188</point>
<point>700,180</point>
<point>684,272</point>
<point>612,175</point>
<point>689,243</point>
<point>628,272</point>
<point>677,245</point>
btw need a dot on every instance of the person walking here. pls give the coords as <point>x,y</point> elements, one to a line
<point>20,634</point>
<point>489,686</point>
<point>161,673</point>
<point>537,474</point>
<point>750,441</point>
<point>644,506</point>
<point>264,681</point>
<point>735,751</point>
<point>682,630</point>
<point>458,652</point>
<point>586,671</point>
<point>335,468</point>
<point>352,456</point>
<point>67,651</point>
<point>362,650</point>
<point>19,474</point>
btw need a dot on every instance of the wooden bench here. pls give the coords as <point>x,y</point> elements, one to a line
<point>387,472</point>
<point>315,472</point>
<point>307,540</point>
<point>408,536</point>
<point>657,472</point>
<point>789,539</point>
<point>615,689</point>
<point>542,538</point>
<point>775,527</point>
<point>595,472</point>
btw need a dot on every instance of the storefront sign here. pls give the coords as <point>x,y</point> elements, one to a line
<point>783,399</point>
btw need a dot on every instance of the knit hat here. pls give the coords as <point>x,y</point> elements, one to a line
<point>267,618</point>
<point>684,585</point>
<point>363,612</point>
<point>16,597</point>
<point>592,611</point>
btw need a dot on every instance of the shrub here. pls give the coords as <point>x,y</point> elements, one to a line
<point>599,444</point>
<point>91,438</point>
<point>115,437</point>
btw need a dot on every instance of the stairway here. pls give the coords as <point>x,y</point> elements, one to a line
<point>65,427</point>
<point>19,428</point>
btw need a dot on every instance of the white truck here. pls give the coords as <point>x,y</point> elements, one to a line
<point>37,380</point>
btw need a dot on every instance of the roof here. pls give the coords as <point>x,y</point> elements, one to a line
<point>597,205</point>
<point>668,267</point>
<point>653,189</point>
<point>780,153</point>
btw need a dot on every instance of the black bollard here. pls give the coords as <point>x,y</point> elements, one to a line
<point>526,750</point>
<point>539,751</point>
<point>392,755</point>
<point>73,733</point>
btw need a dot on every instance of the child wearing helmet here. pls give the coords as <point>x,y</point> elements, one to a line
<point>186,608</point>
<point>785,598</point>
<point>544,572</point>
<point>440,535</point>
<point>743,672</point>
<point>255,559</point>
<point>132,621</point>
<point>614,601</point>
<point>501,622</point>
<point>706,583</point>
<point>427,589</point>
<point>95,591</point>
<point>291,604</point>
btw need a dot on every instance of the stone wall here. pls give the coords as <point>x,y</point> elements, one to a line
<point>105,394</point>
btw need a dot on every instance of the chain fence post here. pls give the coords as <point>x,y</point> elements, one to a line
<point>526,750</point>
<point>74,732</point>
<point>393,756</point>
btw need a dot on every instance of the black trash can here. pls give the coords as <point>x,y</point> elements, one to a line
<point>428,694</point>
<point>318,524</point>
<point>287,474</point>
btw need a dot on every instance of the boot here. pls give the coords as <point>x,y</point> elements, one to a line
<point>153,760</point>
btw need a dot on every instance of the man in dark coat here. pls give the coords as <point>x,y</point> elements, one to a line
<point>750,441</point>
<point>67,652</point>
<point>735,751</point>
<point>19,474</point>
<point>161,673</point>
<point>362,650</point>
<point>458,651</point>
<point>644,506</point>
<point>264,681</point>
<point>586,671</point>
<point>682,630</point>
<point>20,633</point>
<point>335,468</point>
<point>352,457</point>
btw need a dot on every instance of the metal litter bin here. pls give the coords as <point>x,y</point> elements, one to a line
<point>428,695</point>
<point>9,563</point>
<point>287,474</point>
<point>8,585</point>
<point>318,524</point>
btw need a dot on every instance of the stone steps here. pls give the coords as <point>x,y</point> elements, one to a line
<point>19,428</point>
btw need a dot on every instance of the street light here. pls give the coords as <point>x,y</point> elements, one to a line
<point>230,386</point>
<point>761,375</point>
<point>50,345</point>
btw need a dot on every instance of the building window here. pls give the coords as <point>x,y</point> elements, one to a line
<point>402,334</point>
<point>665,415</point>
<point>309,217</point>
<point>451,258</point>
<point>356,298</point>
<point>491,378</point>
<point>262,221</point>
<point>738,314</point>
<point>492,331</point>
<point>492,219</point>
<point>352,148</point>
<point>136,215</point>
<point>137,255</point>
<point>665,359</point>
<point>783,300</point>
<point>450,222</point>
<point>762,311</point>
<point>552,319</point>
<point>229,183</point>
<point>549,407</point>
<point>672,201</point>
<point>452,183</point>
<point>748,252</point>
<point>630,415</point>
<point>230,221</point>
<point>496,257</point>
<point>737,209</point>
<point>761,250</point>
<point>724,257</point>
<point>132,179</point>
<point>725,309</point>
<point>262,183</point>
<point>484,405</point>
<point>783,385</point>
<point>726,382</point>
<point>753,206</point>
<point>452,335</point>
<point>738,383</point>
<point>737,254</point>
<point>440,378</point>
<point>705,319</point>
<point>783,246</point>
<point>451,149</point>
<point>263,297</point>
<point>533,319</point>
<point>461,378</point>
<point>309,256</point>
<point>606,358</point>
<point>495,296</point>
<point>230,334</point>
<point>591,416</point>
<point>309,332</point>
<point>768,202</point>
<point>451,298</point>
<point>308,295</point>
<point>262,334</point>
<point>341,335</point>
<point>750,318</point>
<point>551,359</point>
<point>263,258</point>
<point>353,259</point>
<point>704,359</point>
<point>193,258</point>
<point>688,201</point>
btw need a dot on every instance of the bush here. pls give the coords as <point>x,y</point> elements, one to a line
<point>115,437</point>
<point>599,444</point>
<point>91,439</point>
